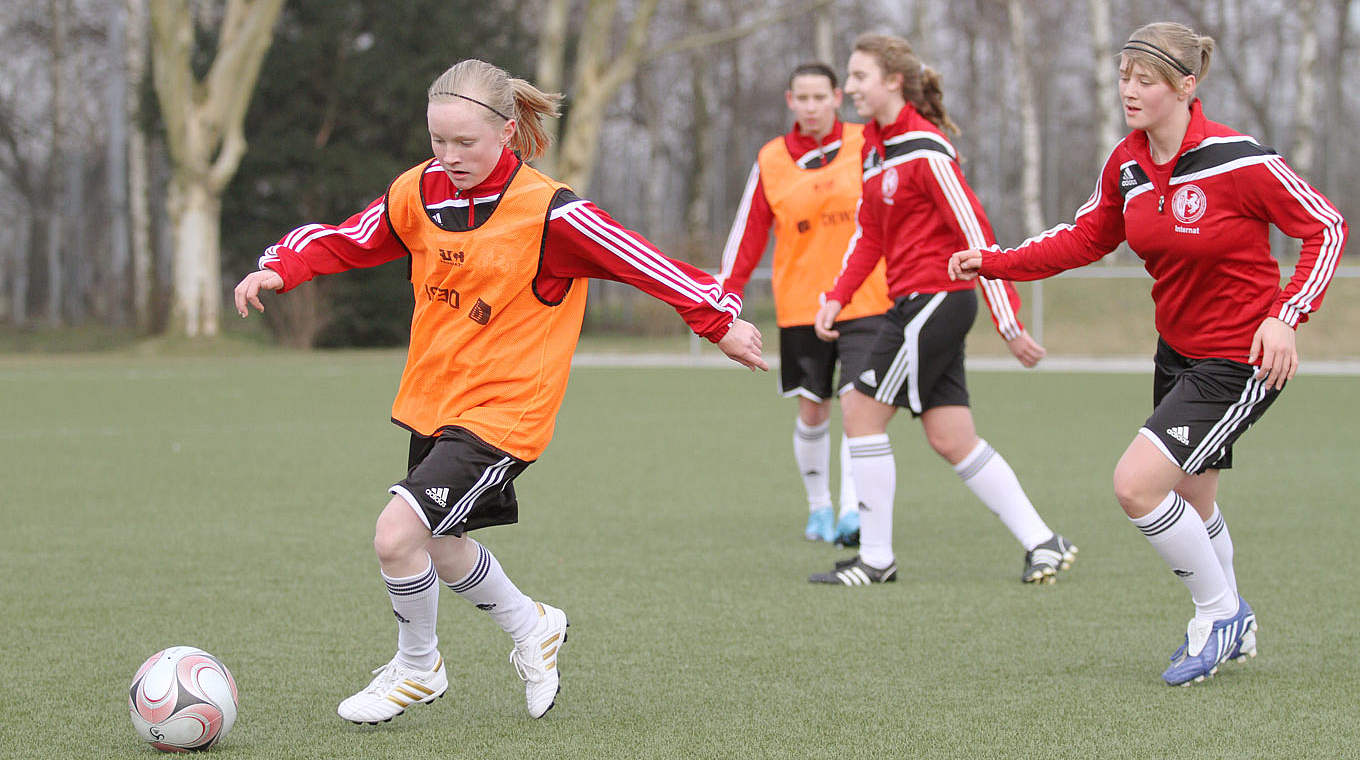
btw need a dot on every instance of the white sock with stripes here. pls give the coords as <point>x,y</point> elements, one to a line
<point>875,473</point>
<point>415,602</point>
<point>488,587</point>
<point>849,497</point>
<point>1223,545</point>
<point>992,480</point>
<point>812,452</point>
<point>1176,532</point>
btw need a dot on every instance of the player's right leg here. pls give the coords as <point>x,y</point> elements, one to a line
<point>416,674</point>
<point>806,367</point>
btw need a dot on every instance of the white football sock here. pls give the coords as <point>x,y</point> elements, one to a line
<point>1223,545</point>
<point>875,473</point>
<point>415,601</point>
<point>812,452</point>
<point>1176,532</point>
<point>488,587</point>
<point>992,480</point>
<point>849,498</point>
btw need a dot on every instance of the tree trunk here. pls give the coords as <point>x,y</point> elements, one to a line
<point>824,34</point>
<point>204,129</point>
<point>1029,122</point>
<point>116,285</point>
<point>196,213</point>
<point>1104,81</point>
<point>56,202</point>
<point>551,71</point>
<point>138,183</point>
<point>1305,110</point>
<point>18,292</point>
<point>701,134</point>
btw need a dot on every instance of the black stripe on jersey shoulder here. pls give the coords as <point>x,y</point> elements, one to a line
<point>1217,154</point>
<point>456,220</point>
<point>1131,175</point>
<point>897,150</point>
<point>560,198</point>
<point>821,159</point>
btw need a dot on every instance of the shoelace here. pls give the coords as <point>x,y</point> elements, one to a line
<point>387,677</point>
<point>525,667</point>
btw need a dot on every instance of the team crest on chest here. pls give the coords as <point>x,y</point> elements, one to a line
<point>889,185</point>
<point>1188,204</point>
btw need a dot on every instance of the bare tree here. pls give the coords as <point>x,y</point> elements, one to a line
<point>204,129</point>
<point>138,182</point>
<point>60,10</point>
<point>1305,108</point>
<point>1102,78</point>
<point>1031,159</point>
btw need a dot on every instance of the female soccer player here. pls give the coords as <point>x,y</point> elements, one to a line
<point>497,253</point>
<point>1194,200</point>
<point>915,209</point>
<point>805,186</point>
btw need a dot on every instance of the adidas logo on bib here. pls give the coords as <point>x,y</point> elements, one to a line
<point>1180,433</point>
<point>439,496</point>
<point>869,378</point>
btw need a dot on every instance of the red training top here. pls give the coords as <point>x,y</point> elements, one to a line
<point>916,211</point>
<point>1200,223</point>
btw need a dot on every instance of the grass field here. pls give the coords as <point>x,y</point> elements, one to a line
<point>227,502</point>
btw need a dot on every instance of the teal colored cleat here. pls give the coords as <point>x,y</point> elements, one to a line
<point>820,525</point>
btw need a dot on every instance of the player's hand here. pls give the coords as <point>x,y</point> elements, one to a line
<point>742,345</point>
<point>826,321</point>
<point>1273,344</point>
<point>1025,348</point>
<point>964,265</point>
<point>248,290</point>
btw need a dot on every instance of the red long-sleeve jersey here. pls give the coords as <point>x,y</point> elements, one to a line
<point>916,210</point>
<point>1200,223</point>
<point>580,240</point>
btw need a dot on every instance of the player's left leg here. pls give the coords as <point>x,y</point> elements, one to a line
<point>1201,491</point>
<point>950,432</point>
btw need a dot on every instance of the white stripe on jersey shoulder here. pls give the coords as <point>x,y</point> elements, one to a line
<point>566,209</point>
<point>1137,191</point>
<point>434,167</point>
<point>462,202</point>
<point>1220,140</point>
<point>1221,169</point>
<point>818,152</point>
<point>921,134</point>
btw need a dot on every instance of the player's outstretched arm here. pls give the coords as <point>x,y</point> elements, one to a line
<point>964,265</point>
<point>742,345</point>
<point>248,290</point>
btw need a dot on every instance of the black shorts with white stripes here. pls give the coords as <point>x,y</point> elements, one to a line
<point>457,482</point>
<point>1201,406</point>
<point>917,360</point>
<point>807,364</point>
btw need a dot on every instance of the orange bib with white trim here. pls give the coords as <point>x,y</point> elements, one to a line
<point>487,354</point>
<point>814,212</point>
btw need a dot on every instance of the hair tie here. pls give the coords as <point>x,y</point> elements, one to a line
<point>474,100</point>
<point>1158,53</point>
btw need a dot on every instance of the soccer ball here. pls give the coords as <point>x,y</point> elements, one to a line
<point>182,698</point>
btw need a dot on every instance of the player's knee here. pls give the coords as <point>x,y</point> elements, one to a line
<point>1131,493</point>
<point>393,541</point>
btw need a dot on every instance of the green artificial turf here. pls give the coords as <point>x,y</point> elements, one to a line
<point>228,503</point>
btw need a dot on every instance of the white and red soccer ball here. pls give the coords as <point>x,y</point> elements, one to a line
<point>181,699</point>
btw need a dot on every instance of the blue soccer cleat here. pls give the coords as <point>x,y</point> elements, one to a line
<point>821,525</point>
<point>1208,645</point>
<point>847,529</point>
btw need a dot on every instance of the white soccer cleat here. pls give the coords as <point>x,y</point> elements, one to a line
<point>395,688</point>
<point>535,659</point>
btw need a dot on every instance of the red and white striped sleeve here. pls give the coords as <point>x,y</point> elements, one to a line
<point>1275,193</point>
<point>363,240</point>
<point>584,241</point>
<point>1097,229</point>
<point>749,236</point>
<point>963,211</point>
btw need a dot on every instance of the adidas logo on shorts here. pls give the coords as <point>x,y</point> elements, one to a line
<point>439,496</point>
<point>1180,433</point>
<point>869,378</point>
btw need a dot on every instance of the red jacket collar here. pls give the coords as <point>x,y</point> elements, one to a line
<point>440,187</point>
<point>1194,135</point>
<point>799,142</point>
<point>908,120</point>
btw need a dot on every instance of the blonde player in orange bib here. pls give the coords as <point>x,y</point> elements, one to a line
<point>805,187</point>
<point>497,253</point>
